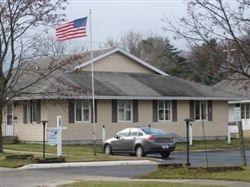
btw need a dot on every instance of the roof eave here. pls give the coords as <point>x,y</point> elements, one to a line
<point>230,99</point>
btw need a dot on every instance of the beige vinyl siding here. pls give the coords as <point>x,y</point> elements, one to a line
<point>246,133</point>
<point>84,131</point>
<point>117,62</point>
<point>26,132</point>
<point>145,112</point>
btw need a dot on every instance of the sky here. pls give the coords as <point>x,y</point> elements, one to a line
<point>114,18</point>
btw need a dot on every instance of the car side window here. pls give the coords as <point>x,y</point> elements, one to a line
<point>123,133</point>
<point>140,134</point>
<point>133,132</point>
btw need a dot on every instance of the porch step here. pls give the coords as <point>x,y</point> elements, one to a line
<point>9,139</point>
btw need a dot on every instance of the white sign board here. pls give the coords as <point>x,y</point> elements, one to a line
<point>237,114</point>
<point>52,136</point>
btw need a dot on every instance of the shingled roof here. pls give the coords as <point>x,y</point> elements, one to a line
<point>237,84</point>
<point>72,83</point>
<point>77,85</point>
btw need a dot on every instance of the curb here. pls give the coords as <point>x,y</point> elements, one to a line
<point>86,164</point>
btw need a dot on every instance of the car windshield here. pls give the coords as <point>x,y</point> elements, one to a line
<point>152,131</point>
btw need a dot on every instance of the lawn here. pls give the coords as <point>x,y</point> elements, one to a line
<point>71,153</point>
<point>214,144</point>
<point>79,153</point>
<point>199,173</point>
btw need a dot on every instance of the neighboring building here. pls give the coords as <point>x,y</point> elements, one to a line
<point>239,85</point>
<point>128,92</point>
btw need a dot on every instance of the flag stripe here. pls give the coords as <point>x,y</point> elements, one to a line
<point>72,29</point>
<point>70,32</point>
<point>70,36</point>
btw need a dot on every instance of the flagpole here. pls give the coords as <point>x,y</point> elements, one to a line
<point>92,84</point>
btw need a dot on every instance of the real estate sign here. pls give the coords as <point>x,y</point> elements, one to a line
<point>237,114</point>
<point>52,136</point>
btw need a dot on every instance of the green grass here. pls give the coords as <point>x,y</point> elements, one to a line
<point>213,144</point>
<point>83,153</point>
<point>131,184</point>
<point>199,173</point>
<point>71,153</point>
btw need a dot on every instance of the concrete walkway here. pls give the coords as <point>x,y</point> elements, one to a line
<point>82,164</point>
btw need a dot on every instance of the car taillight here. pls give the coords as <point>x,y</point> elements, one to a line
<point>150,138</point>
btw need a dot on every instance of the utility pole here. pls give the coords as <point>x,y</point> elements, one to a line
<point>228,51</point>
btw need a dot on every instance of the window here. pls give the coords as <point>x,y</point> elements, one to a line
<point>32,111</point>
<point>124,110</point>
<point>123,133</point>
<point>82,111</point>
<point>245,111</point>
<point>164,110</point>
<point>200,110</point>
<point>133,132</point>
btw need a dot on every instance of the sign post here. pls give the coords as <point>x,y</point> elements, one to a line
<point>59,136</point>
<point>52,136</point>
<point>44,124</point>
<point>237,116</point>
<point>55,135</point>
<point>187,126</point>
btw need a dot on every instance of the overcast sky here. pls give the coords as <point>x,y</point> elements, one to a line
<point>114,18</point>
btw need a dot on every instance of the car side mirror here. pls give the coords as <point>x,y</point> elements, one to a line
<point>117,136</point>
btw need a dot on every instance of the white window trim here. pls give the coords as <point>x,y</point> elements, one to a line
<point>158,111</point>
<point>206,115</point>
<point>131,108</point>
<point>89,107</point>
<point>244,112</point>
<point>29,114</point>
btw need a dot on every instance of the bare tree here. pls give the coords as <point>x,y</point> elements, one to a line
<point>45,44</point>
<point>204,64</point>
<point>224,21</point>
<point>110,43</point>
<point>18,18</point>
<point>153,49</point>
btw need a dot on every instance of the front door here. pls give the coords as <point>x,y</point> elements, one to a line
<point>9,120</point>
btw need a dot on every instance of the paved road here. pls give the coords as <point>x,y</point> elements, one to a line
<point>44,177</point>
<point>213,158</point>
<point>51,176</point>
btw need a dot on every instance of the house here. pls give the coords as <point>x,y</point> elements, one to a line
<point>128,92</point>
<point>239,85</point>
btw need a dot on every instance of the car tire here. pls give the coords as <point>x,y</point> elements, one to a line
<point>107,150</point>
<point>165,154</point>
<point>139,152</point>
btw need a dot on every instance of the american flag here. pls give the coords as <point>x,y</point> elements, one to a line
<point>72,29</point>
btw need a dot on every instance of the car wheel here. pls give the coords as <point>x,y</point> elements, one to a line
<point>165,154</point>
<point>108,150</point>
<point>139,151</point>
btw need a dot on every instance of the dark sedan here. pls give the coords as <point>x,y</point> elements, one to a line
<point>140,141</point>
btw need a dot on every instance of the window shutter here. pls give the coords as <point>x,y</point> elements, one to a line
<point>191,110</point>
<point>174,110</point>
<point>210,110</point>
<point>24,112</point>
<point>38,105</point>
<point>71,111</point>
<point>95,111</point>
<point>155,118</point>
<point>135,111</point>
<point>114,111</point>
